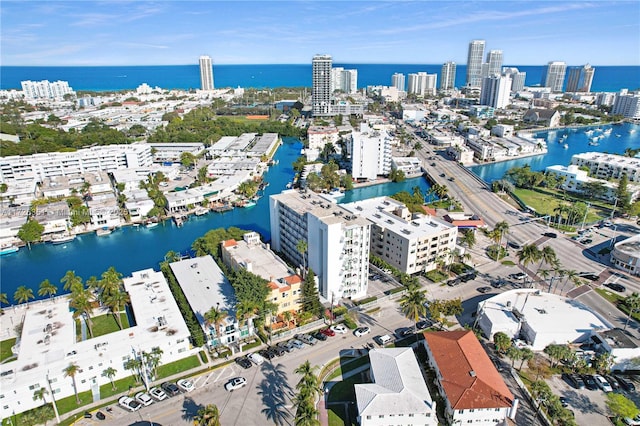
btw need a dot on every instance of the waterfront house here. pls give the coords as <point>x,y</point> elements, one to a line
<point>542,117</point>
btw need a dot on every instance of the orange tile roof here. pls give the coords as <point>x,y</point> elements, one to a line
<point>429,210</point>
<point>273,285</point>
<point>469,378</point>
<point>293,279</point>
<point>229,243</point>
<point>466,223</point>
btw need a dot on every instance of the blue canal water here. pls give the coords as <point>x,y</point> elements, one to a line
<point>133,248</point>
<point>621,137</point>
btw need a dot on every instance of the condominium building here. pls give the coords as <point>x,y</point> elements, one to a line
<point>627,105</point>
<point>321,85</point>
<point>206,73</point>
<point>337,241</point>
<point>398,81</point>
<point>319,136</point>
<point>205,286</point>
<point>48,344</point>
<point>409,242</point>
<point>608,166</point>
<point>448,76</point>
<point>344,80</point>
<point>580,78</point>
<point>45,89</point>
<point>422,84</point>
<point>517,78</point>
<point>474,63</point>
<point>553,75</point>
<point>605,98</point>
<point>370,153</point>
<point>106,158</point>
<point>495,91</point>
<point>493,64</point>
<point>256,257</point>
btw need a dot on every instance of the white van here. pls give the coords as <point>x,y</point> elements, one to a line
<point>257,359</point>
<point>383,340</point>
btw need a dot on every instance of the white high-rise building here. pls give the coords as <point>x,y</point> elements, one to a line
<point>321,85</point>
<point>517,78</point>
<point>474,63</point>
<point>337,79</point>
<point>370,153</point>
<point>553,75</point>
<point>206,73</point>
<point>494,63</point>
<point>398,81</point>
<point>580,79</point>
<point>45,89</point>
<point>448,76</point>
<point>627,105</point>
<point>350,81</point>
<point>337,241</point>
<point>422,84</point>
<point>495,91</point>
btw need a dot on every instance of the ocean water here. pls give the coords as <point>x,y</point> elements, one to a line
<point>606,78</point>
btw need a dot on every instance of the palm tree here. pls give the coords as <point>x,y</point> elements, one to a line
<point>110,372</point>
<point>302,246</point>
<point>70,371</point>
<point>468,238</point>
<point>40,394</point>
<point>47,289</point>
<point>548,256</point>
<point>207,416</point>
<point>23,294</point>
<point>81,300</point>
<point>116,303</point>
<point>309,379</point>
<point>154,359</point>
<point>134,365</point>
<point>501,227</point>
<point>215,316</point>
<point>413,306</point>
<point>110,283</point>
<point>287,316</point>
<point>528,254</point>
<point>71,281</point>
<point>245,309</point>
<point>308,388</point>
<point>3,298</point>
<point>526,354</point>
<point>633,304</point>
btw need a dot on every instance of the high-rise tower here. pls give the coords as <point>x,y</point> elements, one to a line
<point>580,78</point>
<point>553,75</point>
<point>321,85</point>
<point>494,62</point>
<point>474,63</point>
<point>448,76</point>
<point>206,73</point>
<point>495,91</point>
<point>397,81</point>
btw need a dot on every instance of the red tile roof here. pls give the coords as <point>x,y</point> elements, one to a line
<point>469,378</point>
<point>229,243</point>
<point>429,210</point>
<point>293,279</point>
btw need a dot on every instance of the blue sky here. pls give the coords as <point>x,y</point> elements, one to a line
<point>48,33</point>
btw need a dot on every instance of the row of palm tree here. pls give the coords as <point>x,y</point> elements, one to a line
<point>308,389</point>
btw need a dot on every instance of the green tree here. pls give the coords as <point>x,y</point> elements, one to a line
<point>116,303</point>
<point>31,232</point>
<point>310,298</point>
<point>47,289</point>
<point>529,253</point>
<point>110,373</point>
<point>548,256</point>
<point>623,194</point>
<point>412,305</point>
<point>468,238</point>
<point>514,354</point>
<point>40,394</point>
<point>526,355</point>
<point>302,246</point>
<point>215,317</point>
<point>71,281</point>
<point>621,406</point>
<point>304,401</point>
<point>208,415</point>
<point>633,305</point>
<point>556,353</point>
<point>70,371</point>
<point>502,342</point>
<point>23,294</point>
<point>187,159</point>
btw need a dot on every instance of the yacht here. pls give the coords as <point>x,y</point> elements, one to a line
<point>4,250</point>
<point>62,238</point>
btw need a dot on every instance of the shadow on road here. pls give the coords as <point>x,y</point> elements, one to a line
<point>190,409</point>
<point>274,390</point>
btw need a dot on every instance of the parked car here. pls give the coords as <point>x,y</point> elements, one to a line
<point>616,287</point>
<point>320,336</point>
<point>328,332</point>
<point>550,235</point>
<point>287,346</point>
<point>514,245</point>
<point>564,401</point>
<point>423,324</point>
<point>297,343</point>
<point>361,331</point>
<point>157,394</point>
<point>171,389</point>
<point>278,350</point>
<point>518,276</point>
<point>632,421</point>
<point>100,415</point>
<point>384,339</point>
<point>590,382</point>
<point>88,415</point>
<point>484,289</point>
<point>339,328</point>
<point>244,362</point>
<point>267,354</point>
<point>306,338</point>
<point>602,383</point>
<point>129,403</point>
<point>574,380</point>
<point>405,332</point>
<point>235,383</point>
<point>625,383</point>
<point>186,385</point>
<point>589,276</point>
<point>256,358</point>
<point>144,398</point>
<point>612,381</point>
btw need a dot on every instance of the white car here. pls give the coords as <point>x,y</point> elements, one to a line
<point>257,359</point>
<point>157,394</point>
<point>602,383</point>
<point>185,385</point>
<point>129,403</point>
<point>632,422</point>
<point>361,331</point>
<point>235,383</point>
<point>144,398</point>
<point>339,328</point>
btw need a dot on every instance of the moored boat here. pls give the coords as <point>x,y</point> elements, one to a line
<point>8,250</point>
<point>104,231</point>
<point>63,238</point>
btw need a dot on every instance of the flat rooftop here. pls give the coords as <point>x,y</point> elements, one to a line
<point>257,259</point>
<point>630,246</point>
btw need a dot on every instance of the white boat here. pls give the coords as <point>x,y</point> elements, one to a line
<point>249,203</point>
<point>201,211</point>
<point>63,238</point>
<point>565,146</point>
<point>102,232</point>
<point>8,250</point>
<point>151,225</point>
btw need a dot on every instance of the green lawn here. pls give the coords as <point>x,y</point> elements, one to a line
<point>435,276</point>
<point>545,201</point>
<point>616,300</point>
<point>69,403</point>
<point>103,324</point>
<point>347,366</point>
<point>5,349</point>
<point>336,415</point>
<point>178,366</point>
<point>344,390</point>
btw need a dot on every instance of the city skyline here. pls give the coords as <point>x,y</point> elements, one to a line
<point>89,33</point>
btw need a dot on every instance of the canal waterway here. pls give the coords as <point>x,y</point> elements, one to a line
<point>131,248</point>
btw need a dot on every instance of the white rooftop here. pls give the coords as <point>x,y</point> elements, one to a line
<point>398,385</point>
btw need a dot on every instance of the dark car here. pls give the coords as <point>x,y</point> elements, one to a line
<point>514,245</point>
<point>320,336</point>
<point>87,415</point>
<point>550,234</point>
<point>625,383</point>
<point>587,241</point>
<point>170,389</point>
<point>267,354</point>
<point>612,381</point>
<point>244,362</point>
<point>497,283</point>
<point>590,382</point>
<point>616,287</point>
<point>406,332</point>
<point>100,415</point>
<point>468,277</point>
<point>564,401</point>
<point>278,350</point>
<point>484,289</point>
<point>589,276</point>
<point>574,380</point>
